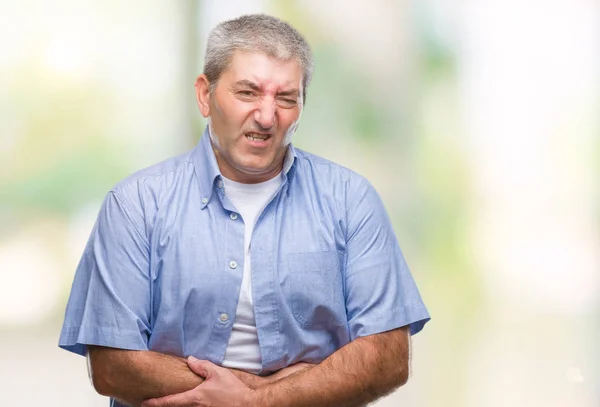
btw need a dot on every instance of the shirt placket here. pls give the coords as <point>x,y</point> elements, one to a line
<point>228,232</point>
<point>265,279</point>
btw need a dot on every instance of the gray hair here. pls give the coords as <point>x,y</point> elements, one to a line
<point>256,33</point>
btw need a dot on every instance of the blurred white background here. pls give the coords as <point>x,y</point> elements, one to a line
<point>477,121</point>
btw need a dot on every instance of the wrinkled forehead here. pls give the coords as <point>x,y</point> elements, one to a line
<point>269,74</point>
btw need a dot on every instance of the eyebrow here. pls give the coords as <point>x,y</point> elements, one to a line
<point>255,87</point>
<point>293,92</point>
<point>248,84</point>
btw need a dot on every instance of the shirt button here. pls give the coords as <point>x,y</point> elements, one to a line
<point>204,200</point>
<point>233,264</point>
<point>224,317</point>
<point>233,215</point>
<point>220,183</point>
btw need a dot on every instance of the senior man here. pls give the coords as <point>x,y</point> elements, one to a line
<point>245,272</point>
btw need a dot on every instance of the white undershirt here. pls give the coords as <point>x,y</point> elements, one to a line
<point>243,351</point>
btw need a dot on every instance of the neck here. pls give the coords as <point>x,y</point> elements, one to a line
<point>245,177</point>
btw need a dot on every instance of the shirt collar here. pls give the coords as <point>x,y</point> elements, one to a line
<point>289,160</point>
<point>207,169</point>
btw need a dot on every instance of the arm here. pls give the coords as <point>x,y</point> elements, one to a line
<point>134,376</point>
<point>358,373</point>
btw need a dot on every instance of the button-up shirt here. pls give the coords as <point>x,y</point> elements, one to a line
<point>163,266</point>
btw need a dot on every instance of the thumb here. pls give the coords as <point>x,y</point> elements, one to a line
<point>202,368</point>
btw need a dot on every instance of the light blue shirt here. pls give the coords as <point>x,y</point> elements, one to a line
<point>163,266</point>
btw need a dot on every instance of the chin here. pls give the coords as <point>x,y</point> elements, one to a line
<point>254,167</point>
<point>255,170</point>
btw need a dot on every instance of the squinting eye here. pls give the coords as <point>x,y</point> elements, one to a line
<point>245,93</point>
<point>288,102</point>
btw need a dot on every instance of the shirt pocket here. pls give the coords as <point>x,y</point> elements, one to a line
<point>314,289</point>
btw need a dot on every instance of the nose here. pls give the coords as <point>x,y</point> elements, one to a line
<point>265,115</point>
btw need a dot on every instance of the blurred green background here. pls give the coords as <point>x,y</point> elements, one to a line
<point>477,122</point>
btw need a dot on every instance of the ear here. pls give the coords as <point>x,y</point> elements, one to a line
<point>203,94</point>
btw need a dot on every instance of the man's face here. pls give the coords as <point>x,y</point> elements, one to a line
<point>253,113</point>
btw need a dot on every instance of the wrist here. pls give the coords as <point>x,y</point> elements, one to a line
<point>249,379</point>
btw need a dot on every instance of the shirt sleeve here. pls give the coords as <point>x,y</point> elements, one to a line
<point>380,292</point>
<point>109,304</point>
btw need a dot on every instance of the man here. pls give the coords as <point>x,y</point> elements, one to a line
<point>276,273</point>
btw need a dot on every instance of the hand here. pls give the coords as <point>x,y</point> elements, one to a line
<point>220,388</point>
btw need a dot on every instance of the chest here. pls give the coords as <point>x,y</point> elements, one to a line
<point>297,251</point>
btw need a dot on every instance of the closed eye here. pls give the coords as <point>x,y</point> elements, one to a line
<point>287,102</point>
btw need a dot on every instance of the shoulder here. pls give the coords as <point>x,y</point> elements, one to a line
<point>332,185</point>
<point>155,179</point>
<point>324,169</point>
<point>142,193</point>
<point>168,169</point>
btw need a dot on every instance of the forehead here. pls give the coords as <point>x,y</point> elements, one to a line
<point>267,73</point>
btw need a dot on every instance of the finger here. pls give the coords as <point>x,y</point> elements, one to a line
<point>175,400</point>
<point>202,368</point>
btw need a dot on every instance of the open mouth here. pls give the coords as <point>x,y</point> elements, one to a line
<point>257,136</point>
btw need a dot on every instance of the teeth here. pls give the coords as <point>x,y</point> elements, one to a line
<point>254,136</point>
